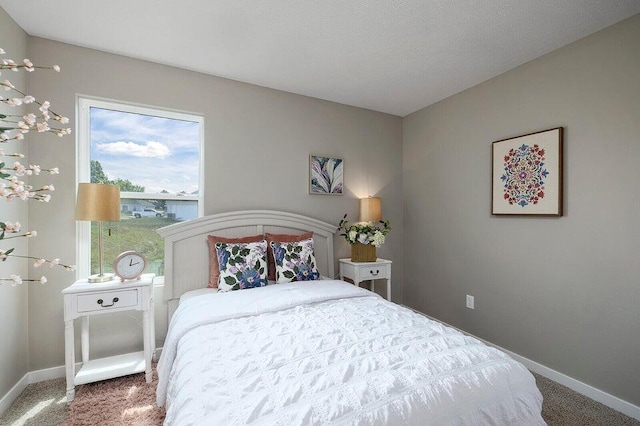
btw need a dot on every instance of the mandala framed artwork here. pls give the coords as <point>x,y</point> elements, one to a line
<point>326,175</point>
<point>527,174</point>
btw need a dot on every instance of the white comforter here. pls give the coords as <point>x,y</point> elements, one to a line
<point>328,352</point>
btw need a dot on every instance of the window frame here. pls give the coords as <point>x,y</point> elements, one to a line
<point>84,103</point>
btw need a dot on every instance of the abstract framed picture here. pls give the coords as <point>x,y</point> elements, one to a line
<point>326,175</point>
<point>527,174</point>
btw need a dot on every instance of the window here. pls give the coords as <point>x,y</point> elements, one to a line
<point>154,156</point>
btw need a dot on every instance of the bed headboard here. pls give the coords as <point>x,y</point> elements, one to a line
<point>186,252</point>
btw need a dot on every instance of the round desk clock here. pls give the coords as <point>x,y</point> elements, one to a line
<point>129,265</point>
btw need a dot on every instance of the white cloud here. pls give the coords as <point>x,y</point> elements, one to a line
<point>151,149</point>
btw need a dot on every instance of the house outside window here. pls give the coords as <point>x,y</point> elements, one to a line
<point>154,155</point>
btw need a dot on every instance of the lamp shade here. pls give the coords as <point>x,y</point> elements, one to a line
<point>370,209</point>
<point>98,202</point>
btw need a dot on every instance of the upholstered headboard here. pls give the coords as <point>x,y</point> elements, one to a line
<point>186,253</point>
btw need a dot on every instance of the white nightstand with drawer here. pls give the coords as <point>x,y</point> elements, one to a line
<point>363,271</point>
<point>83,299</point>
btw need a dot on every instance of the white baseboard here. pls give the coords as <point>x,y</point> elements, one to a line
<point>13,393</point>
<point>48,373</point>
<point>40,376</point>
<point>602,397</point>
<point>587,390</point>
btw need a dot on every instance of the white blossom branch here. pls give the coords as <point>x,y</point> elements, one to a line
<point>14,127</point>
<point>17,280</point>
<point>39,261</point>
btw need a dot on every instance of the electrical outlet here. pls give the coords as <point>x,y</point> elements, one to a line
<point>470,302</point>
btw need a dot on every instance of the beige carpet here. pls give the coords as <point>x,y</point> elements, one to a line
<point>40,404</point>
<point>562,406</point>
<point>131,401</point>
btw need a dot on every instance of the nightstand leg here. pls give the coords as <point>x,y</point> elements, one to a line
<point>147,345</point>
<point>389,289</point>
<point>84,338</point>
<point>152,334</point>
<point>69,357</point>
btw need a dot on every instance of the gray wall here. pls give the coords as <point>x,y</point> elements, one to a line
<point>13,300</point>
<point>256,157</point>
<point>561,291</point>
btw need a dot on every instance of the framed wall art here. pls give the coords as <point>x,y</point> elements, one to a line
<point>527,174</point>
<point>326,175</point>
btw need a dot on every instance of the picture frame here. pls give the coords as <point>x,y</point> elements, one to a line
<point>326,175</point>
<point>526,174</point>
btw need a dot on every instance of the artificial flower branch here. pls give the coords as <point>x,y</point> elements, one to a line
<point>28,99</point>
<point>14,127</point>
<point>38,261</point>
<point>17,280</point>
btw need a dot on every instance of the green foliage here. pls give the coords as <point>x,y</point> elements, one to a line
<point>7,253</point>
<point>364,232</point>
<point>99,176</point>
<point>160,204</point>
<point>97,173</point>
<point>3,175</point>
<point>127,186</point>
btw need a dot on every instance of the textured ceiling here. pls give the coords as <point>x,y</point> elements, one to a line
<point>390,56</point>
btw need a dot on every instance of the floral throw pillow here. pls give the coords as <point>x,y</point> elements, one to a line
<point>242,265</point>
<point>295,261</point>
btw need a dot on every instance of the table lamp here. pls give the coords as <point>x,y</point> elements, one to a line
<point>101,203</point>
<point>370,209</point>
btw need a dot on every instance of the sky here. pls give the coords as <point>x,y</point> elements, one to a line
<point>157,153</point>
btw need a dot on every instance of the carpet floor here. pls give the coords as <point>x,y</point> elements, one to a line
<point>131,401</point>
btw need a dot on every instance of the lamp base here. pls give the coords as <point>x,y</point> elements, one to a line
<point>98,278</point>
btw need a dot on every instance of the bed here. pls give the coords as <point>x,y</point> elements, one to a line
<point>318,352</point>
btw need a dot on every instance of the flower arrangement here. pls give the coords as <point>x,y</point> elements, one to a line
<point>14,127</point>
<point>373,233</point>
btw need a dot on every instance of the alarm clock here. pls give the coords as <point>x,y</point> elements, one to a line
<point>129,265</point>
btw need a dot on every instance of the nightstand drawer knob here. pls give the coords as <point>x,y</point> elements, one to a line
<point>374,273</point>
<point>100,302</point>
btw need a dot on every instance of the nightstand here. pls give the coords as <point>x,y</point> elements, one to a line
<point>362,271</point>
<point>83,299</point>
